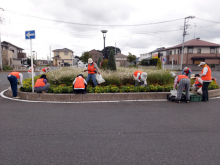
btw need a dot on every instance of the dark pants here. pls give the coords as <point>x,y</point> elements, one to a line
<point>205,94</point>
<point>14,82</point>
<point>80,91</point>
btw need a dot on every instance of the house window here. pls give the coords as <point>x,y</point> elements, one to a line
<point>174,51</point>
<point>199,50</point>
<point>212,50</point>
<point>190,50</point>
<point>178,51</point>
<point>62,61</point>
<point>170,52</point>
<point>96,56</point>
<point>65,53</point>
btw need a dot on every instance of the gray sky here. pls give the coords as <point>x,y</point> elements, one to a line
<point>135,39</point>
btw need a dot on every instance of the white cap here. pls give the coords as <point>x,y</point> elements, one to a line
<point>185,68</point>
<point>201,63</point>
<point>144,76</point>
<point>90,60</point>
<point>173,74</point>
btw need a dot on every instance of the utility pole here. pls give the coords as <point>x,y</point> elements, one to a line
<point>1,68</point>
<point>115,52</point>
<point>50,55</point>
<point>185,33</point>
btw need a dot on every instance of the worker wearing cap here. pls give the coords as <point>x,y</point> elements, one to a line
<point>183,82</point>
<point>197,86</point>
<point>187,71</point>
<point>13,79</point>
<point>140,77</point>
<point>92,70</point>
<point>30,71</point>
<point>206,76</point>
<point>45,70</point>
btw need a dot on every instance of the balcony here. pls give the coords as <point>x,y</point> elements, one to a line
<point>21,55</point>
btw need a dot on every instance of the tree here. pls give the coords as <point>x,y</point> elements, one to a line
<point>99,61</point>
<point>143,62</point>
<point>85,56</point>
<point>159,66</point>
<point>104,64</point>
<point>108,49</point>
<point>111,61</point>
<point>29,61</point>
<point>131,58</point>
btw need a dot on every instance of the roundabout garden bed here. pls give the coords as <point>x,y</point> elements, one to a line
<point>119,81</point>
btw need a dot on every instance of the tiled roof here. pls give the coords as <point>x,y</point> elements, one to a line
<point>195,42</point>
<point>62,50</point>
<point>120,56</point>
<point>5,43</point>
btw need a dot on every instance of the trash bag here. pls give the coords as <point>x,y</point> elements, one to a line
<point>99,79</point>
<point>173,92</point>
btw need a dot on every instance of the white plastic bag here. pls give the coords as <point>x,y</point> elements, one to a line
<point>173,92</point>
<point>99,79</point>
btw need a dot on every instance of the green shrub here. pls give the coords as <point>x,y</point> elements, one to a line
<point>7,67</point>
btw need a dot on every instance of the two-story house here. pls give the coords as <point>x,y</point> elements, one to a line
<point>121,60</point>
<point>195,51</point>
<point>62,56</point>
<point>12,55</point>
<point>95,54</point>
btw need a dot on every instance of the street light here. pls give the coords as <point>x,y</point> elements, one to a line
<point>104,35</point>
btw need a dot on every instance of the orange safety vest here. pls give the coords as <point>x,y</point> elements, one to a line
<point>16,74</point>
<point>208,76</point>
<point>79,84</point>
<point>44,69</point>
<point>30,70</point>
<point>181,77</point>
<point>213,79</point>
<point>91,69</point>
<point>187,70</point>
<point>40,82</point>
<point>197,82</point>
<point>136,73</point>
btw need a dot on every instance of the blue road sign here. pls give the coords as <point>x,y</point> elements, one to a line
<point>30,34</point>
<point>165,59</point>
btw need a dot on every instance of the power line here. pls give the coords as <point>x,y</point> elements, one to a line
<point>207,20</point>
<point>83,24</point>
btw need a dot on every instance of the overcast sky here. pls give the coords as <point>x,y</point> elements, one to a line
<point>17,18</point>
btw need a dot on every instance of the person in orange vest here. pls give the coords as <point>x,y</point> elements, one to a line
<point>92,70</point>
<point>183,82</point>
<point>45,70</point>
<point>41,85</point>
<point>187,71</point>
<point>206,76</point>
<point>13,79</point>
<point>30,71</point>
<point>213,79</point>
<point>79,85</point>
<point>197,86</point>
<point>140,78</point>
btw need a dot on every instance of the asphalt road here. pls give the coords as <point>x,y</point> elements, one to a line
<point>109,133</point>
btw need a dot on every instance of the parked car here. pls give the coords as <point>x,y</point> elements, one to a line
<point>26,65</point>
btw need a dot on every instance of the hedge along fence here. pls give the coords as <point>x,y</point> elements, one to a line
<point>120,77</point>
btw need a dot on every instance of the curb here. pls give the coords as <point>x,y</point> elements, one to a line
<point>94,97</point>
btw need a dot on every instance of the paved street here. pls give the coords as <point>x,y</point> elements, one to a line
<point>109,133</point>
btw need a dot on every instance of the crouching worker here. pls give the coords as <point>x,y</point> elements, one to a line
<point>13,79</point>
<point>79,85</point>
<point>41,85</point>
<point>183,82</point>
<point>140,78</point>
<point>197,86</point>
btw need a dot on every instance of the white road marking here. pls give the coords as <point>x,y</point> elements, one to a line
<point>32,101</point>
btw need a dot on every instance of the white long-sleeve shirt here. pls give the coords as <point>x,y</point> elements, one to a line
<point>21,79</point>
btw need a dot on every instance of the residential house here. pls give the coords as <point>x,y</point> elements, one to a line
<point>121,60</point>
<point>12,55</point>
<point>195,51</point>
<point>95,54</point>
<point>42,62</point>
<point>62,56</point>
